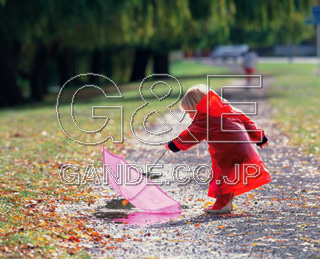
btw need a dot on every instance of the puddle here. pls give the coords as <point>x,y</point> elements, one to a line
<point>115,212</point>
<point>136,218</point>
<point>117,205</point>
<point>111,215</point>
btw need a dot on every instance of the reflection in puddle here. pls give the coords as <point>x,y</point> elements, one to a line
<point>137,218</point>
<point>114,211</point>
<point>184,207</point>
<point>118,205</point>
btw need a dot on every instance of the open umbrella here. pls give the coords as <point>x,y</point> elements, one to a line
<point>140,191</point>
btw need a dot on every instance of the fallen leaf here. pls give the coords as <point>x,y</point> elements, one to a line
<point>74,239</point>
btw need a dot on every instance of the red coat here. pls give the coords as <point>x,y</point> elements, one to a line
<point>236,167</point>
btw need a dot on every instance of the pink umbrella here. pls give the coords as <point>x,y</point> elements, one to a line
<point>140,191</point>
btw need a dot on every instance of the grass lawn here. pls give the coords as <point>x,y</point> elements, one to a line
<point>295,95</point>
<point>34,148</point>
<point>189,68</point>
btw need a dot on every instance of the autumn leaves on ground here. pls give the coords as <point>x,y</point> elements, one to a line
<point>33,150</point>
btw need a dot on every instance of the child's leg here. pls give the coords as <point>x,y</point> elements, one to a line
<point>249,71</point>
<point>223,204</point>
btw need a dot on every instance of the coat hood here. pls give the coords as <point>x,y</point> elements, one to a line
<point>211,104</point>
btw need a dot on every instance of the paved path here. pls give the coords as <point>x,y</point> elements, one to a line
<point>236,66</point>
<point>299,60</point>
<point>278,220</point>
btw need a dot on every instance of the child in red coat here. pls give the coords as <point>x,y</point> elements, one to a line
<point>236,164</point>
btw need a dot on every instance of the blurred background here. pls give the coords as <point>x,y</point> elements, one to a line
<point>44,43</point>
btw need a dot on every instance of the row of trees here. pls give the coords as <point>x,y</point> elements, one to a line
<point>116,35</point>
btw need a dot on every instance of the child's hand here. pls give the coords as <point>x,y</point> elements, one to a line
<point>172,147</point>
<point>265,144</point>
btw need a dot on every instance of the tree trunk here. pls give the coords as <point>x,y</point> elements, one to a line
<point>107,63</point>
<point>101,64</point>
<point>96,62</point>
<point>67,65</point>
<point>141,59</point>
<point>37,77</point>
<point>96,65</point>
<point>10,91</point>
<point>161,63</point>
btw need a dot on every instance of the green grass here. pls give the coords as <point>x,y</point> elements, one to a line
<point>295,96</point>
<point>33,149</point>
<point>189,68</point>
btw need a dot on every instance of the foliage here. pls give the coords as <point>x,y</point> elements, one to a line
<point>44,30</point>
<point>275,22</point>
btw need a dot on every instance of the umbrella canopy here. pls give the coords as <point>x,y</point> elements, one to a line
<point>140,191</point>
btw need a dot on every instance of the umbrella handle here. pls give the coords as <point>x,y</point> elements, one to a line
<point>157,161</point>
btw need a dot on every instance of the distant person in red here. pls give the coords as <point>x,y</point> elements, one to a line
<point>249,64</point>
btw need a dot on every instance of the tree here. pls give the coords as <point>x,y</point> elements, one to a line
<point>12,33</point>
<point>263,23</point>
<point>157,27</point>
<point>44,31</point>
<point>25,47</point>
